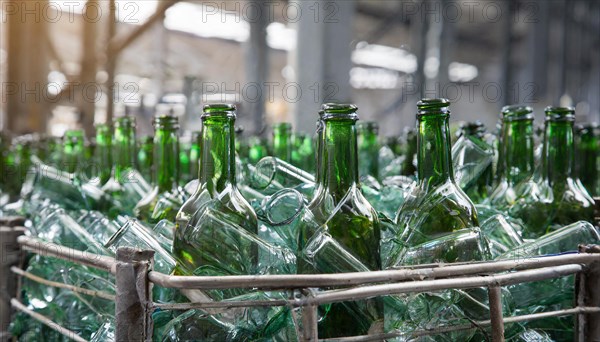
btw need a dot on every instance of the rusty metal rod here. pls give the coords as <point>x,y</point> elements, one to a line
<point>47,321</point>
<point>441,284</point>
<point>360,278</point>
<point>37,279</point>
<point>474,325</point>
<point>495,298</point>
<point>45,248</point>
<point>224,305</point>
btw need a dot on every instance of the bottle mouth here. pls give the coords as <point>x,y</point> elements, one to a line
<point>517,112</point>
<point>339,111</point>
<point>125,121</point>
<point>282,126</point>
<point>225,110</point>
<point>166,122</point>
<point>560,113</point>
<point>102,128</point>
<point>433,107</point>
<point>368,126</point>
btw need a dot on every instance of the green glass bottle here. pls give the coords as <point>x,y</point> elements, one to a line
<point>217,188</point>
<point>571,201</point>
<point>341,209</point>
<point>184,162</point>
<point>588,157</point>
<point>368,148</point>
<point>126,186</point>
<point>144,157</point>
<point>195,153</point>
<point>73,150</point>
<point>304,152</point>
<point>166,198</point>
<point>258,149</point>
<point>394,144</point>
<point>282,141</point>
<point>516,162</point>
<point>103,153</point>
<point>410,151</point>
<point>437,207</point>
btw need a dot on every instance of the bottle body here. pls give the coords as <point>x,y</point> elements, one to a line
<point>217,190</point>
<point>436,206</point>
<point>342,212</point>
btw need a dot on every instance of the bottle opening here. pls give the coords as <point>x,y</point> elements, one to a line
<point>333,111</point>
<point>368,126</point>
<point>282,126</point>
<point>517,112</point>
<point>560,113</point>
<point>433,107</point>
<point>166,122</point>
<point>125,121</point>
<point>219,110</point>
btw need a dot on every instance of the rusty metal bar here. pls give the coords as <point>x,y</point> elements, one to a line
<point>442,284</point>
<point>223,305</point>
<point>590,289</point>
<point>133,310</point>
<point>10,255</point>
<point>495,297</point>
<point>310,331</point>
<point>360,278</point>
<point>33,277</point>
<point>45,248</point>
<point>476,324</point>
<point>47,321</point>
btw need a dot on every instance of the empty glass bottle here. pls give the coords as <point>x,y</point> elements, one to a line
<point>340,208</point>
<point>184,162</point>
<point>166,198</point>
<point>195,153</point>
<point>217,190</point>
<point>571,201</point>
<point>410,151</point>
<point>258,149</point>
<point>588,158</point>
<point>73,151</point>
<point>282,141</point>
<point>144,157</point>
<point>303,154</point>
<point>437,206</point>
<point>103,154</point>
<point>368,148</point>
<point>126,186</point>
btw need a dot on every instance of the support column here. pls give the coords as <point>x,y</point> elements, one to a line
<point>133,309</point>
<point>322,59</point>
<point>10,255</point>
<point>257,62</point>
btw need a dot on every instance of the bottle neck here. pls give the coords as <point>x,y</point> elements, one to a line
<point>339,160</point>
<point>433,150</point>
<point>103,155</point>
<point>217,154</point>
<point>282,147</point>
<point>124,152</point>
<point>518,144</point>
<point>166,159</point>
<point>559,150</point>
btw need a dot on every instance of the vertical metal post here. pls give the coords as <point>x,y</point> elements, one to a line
<point>580,319</point>
<point>588,325</point>
<point>310,331</point>
<point>134,295</point>
<point>10,255</point>
<point>495,297</point>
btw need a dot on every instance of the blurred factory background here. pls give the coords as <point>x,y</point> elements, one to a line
<point>69,64</point>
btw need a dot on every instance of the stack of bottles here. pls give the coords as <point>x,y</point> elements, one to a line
<point>341,200</point>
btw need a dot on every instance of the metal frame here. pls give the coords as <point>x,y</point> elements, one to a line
<point>135,278</point>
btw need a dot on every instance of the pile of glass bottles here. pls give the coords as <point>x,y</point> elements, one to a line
<point>337,201</point>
